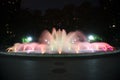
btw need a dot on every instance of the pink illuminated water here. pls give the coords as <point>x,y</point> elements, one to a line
<point>61,42</point>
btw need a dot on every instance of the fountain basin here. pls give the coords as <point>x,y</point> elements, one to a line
<point>86,66</point>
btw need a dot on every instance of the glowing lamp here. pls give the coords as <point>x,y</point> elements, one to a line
<point>91,37</point>
<point>27,39</point>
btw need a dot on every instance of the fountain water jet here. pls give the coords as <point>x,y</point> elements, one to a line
<point>61,42</point>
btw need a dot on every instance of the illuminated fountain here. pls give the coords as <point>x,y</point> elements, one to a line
<point>66,57</point>
<point>61,42</point>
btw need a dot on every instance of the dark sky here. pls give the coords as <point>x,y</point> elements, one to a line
<point>45,4</point>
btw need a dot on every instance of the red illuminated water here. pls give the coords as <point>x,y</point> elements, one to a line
<point>61,42</point>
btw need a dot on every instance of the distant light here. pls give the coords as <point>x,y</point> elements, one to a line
<point>7,32</point>
<point>9,2</point>
<point>13,35</point>
<point>91,37</point>
<point>105,8</point>
<point>6,25</point>
<point>13,2</point>
<point>15,9</point>
<point>10,32</point>
<point>113,25</point>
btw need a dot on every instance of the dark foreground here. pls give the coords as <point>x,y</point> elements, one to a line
<point>95,66</point>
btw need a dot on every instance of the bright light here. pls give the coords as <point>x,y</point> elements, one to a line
<point>91,37</point>
<point>29,38</point>
<point>94,38</point>
<point>113,25</point>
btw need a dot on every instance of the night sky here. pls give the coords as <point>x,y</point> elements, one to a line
<point>45,4</point>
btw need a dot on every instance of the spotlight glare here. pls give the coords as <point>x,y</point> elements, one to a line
<point>29,38</point>
<point>91,37</point>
